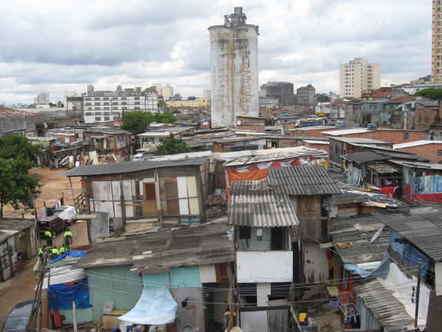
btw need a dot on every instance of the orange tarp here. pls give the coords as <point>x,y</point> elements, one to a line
<point>253,175</point>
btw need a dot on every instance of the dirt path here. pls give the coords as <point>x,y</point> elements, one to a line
<point>54,186</point>
<point>15,290</point>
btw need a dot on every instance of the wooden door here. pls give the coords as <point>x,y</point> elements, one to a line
<point>150,201</point>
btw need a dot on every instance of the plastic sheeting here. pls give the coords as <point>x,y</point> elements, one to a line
<point>156,306</point>
<point>364,269</point>
<point>71,253</point>
<point>66,212</point>
<point>61,296</point>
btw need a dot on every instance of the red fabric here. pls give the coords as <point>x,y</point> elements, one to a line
<point>429,198</point>
<point>58,319</point>
<point>387,191</point>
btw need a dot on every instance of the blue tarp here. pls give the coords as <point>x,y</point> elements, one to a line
<point>61,296</point>
<point>156,306</point>
<point>409,253</point>
<point>71,253</point>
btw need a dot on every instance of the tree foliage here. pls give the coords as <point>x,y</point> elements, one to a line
<point>19,147</point>
<point>431,93</point>
<point>322,98</point>
<point>137,122</point>
<point>171,145</point>
<point>17,157</point>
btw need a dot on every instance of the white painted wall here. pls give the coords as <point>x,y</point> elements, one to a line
<point>438,278</point>
<point>207,273</point>
<point>262,294</point>
<point>264,266</point>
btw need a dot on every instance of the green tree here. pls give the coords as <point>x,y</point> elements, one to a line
<point>17,157</point>
<point>322,98</point>
<point>171,145</point>
<point>19,147</point>
<point>166,117</point>
<point>431,93</point>
<point>137,122</point>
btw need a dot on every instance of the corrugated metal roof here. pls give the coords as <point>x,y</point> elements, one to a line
<point>416,164</point>
<point>423,230</point>
<point>346,131</point>
<point>413,144</point>
<point>255,204</point>
<point>383,168</point>
<point>386,308</point>
<point>241,158</point>
<point>359,140</point>
<point>364,157</point>
<point>303,180</point>
<point>161,250</point>
<point>129,167</point>
<point>352,239</point>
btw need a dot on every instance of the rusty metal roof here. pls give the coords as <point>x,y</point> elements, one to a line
<point>256,204</point>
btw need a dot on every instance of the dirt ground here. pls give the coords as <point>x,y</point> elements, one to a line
<point>54,186</point>
<point>15,290</point>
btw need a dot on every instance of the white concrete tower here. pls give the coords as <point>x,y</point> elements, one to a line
<point>234,69</point>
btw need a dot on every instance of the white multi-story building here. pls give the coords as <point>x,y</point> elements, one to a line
<point>105,106</point>
<point>358,76</point>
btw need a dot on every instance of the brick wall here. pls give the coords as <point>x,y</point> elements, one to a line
<point>428,151</point>
<point>425,116</point>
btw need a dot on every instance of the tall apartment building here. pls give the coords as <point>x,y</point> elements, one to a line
<point>358,76</point>
<point>283,91</point>
<point>234,69</point>
<point>105,106</point>
<point>436,60</point>
<point>306,95</point>
<point>42,98</point>
<point>166,92</point>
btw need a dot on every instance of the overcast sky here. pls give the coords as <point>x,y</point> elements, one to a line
<point>63,45</point>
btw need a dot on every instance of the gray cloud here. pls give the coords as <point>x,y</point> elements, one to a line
<point>65,45</point>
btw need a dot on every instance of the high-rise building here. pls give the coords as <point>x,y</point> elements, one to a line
<point>167,92</point>
<point>283,91</point>
<point>436,60</point>
<point>234,69</point>
<point>105,106</point>
<point>42,98</point>
<point>306,95</point>
<point>358,76</point>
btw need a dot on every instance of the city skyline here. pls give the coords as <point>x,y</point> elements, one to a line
<point>54,47</point>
